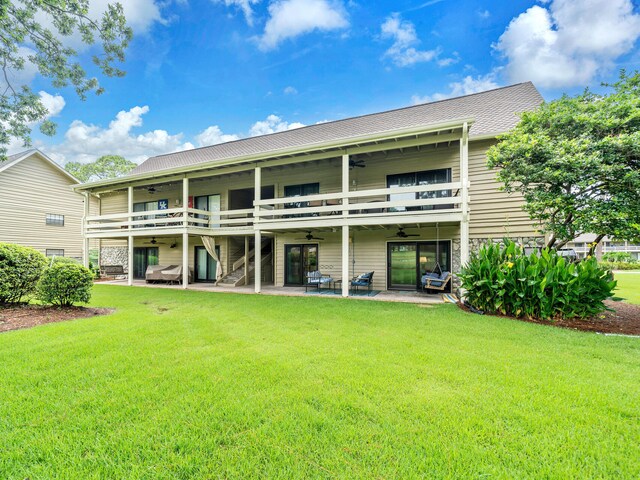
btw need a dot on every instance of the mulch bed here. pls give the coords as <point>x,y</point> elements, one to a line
<point>26,316</point>
<point>624,320</point>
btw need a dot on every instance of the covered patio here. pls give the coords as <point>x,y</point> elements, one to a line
<point>381,296</point>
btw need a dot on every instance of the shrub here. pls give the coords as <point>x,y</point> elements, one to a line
<point>617,257</point>
<point>20,269</point>
<point>501,279</point>
<point>64,260</point>
<point>65,283</point>
<point>621,265</point>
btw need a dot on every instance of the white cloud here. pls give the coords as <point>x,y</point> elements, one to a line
<point>53,103</point>
<point>243,5</point>
<point>213,135</point>
<point>403,52</point>
<point>467,86</point>
<point>86,142</point>
<point>291,18</point>
<point>272,124</point>
<point>290,91</point>
<point>568,43</point>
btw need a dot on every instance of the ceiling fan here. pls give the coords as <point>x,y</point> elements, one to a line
<point>402,234</point>
<point>308,236</point>
<point>153,241</point>
<point>151,190</point>
<point>353,163</point>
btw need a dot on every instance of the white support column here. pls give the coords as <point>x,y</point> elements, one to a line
<point>346,281</point>
<point>246,260</point>
<point>130,203</point>
<point>130,240</point>
<point>185,260</point>
<point>257,257</point>
<point>258,262</point>
<point>464,178</point>
<point>85,240</point>
<point>345,181</point>
<point>130,261</point>
<point>185,201</point>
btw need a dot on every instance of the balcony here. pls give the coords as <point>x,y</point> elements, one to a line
<point>384,206</point>
<point>170,221</point>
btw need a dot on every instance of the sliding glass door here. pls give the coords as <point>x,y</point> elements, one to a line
<point>402,265</point>
<point>299,260</point>
<point>205,265</point>
<point>142,258</point>
<point>408,261</point>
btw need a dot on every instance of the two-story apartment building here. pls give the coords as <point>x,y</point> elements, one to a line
<point>38,207</point>
<point>393,192</point>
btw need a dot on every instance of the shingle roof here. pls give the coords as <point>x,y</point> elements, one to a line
<point>15,156</point>
<point>495,111</point>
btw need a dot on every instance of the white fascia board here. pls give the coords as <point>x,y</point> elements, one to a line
<point>344,143</point>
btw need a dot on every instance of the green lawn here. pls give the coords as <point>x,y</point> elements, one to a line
<point>197,385</point>
<point>628,286</point>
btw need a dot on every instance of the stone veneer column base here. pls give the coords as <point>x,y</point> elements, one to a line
<point>115,256</point>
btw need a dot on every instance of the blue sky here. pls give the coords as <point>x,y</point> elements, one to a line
<point>205,71</point>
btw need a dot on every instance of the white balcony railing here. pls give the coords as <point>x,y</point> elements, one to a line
<point>377,202</point>
<point>423,200</point>
<point>168,219</point>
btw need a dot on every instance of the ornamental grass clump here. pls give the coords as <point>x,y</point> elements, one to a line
<point>20,270</point>
<point>65,283</point>
<point>502,279</point>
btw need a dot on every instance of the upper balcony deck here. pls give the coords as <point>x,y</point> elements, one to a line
<point>382,206</point>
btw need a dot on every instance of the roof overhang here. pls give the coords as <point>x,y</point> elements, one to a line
<point>42,156</point>
<point>308,152</point>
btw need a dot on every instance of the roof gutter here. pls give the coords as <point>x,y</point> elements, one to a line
<point>343,143</point>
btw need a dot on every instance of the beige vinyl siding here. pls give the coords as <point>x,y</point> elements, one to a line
<point>493,213</point>
<point>367,250</point>
<point>28,191</point>
<point>173,256</point>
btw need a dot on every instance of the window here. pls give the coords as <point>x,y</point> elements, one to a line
<point>53,219</point>
<point>300,191</point>
<point>209,203</point>
<point>412,179</point>
<point>147,207</point>
<point>54,252</point>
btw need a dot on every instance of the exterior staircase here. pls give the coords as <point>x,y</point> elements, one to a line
<point>236,276</point>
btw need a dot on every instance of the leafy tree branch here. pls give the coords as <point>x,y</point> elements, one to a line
<point>20,26</point>
<point>576,162</point>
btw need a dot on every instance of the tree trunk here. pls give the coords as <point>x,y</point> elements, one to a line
<point>594,244</point>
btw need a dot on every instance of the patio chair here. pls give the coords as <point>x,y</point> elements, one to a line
<point>363,280</point>
<point>316,279</point>
<point>433,281</point>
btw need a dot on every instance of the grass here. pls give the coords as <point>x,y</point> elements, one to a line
<point>197,385</point>
<point>628,286</point>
